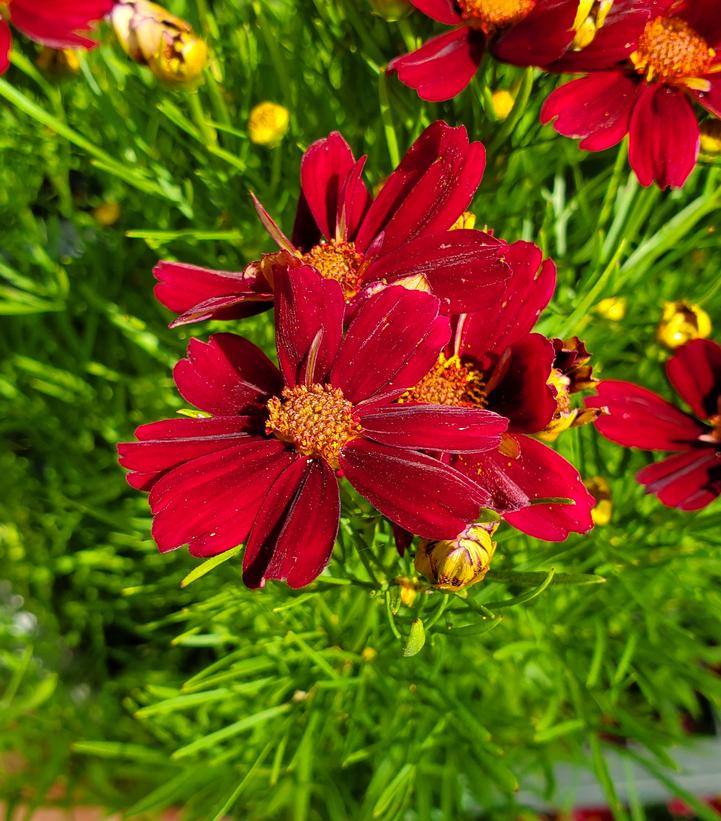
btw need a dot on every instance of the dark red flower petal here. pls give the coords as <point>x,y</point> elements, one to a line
<point>354,202</point>
<point>664,137</point>
<point>443,66</point>
<point>642,419</point>
<point>466,268</point>
<point>417,492</point>
<point>596,108</point>
<point>210,502</point>
<point>695,372</point>
<point>6,42</point>
<point>521,392</point>
<point>434,427</point>
<point>528,291</point>
<point>198,293</point>
<point>394,339</point>
<point>308,324</point>
<point>688,481</point>
<point>227,375</point>
<point>444,11</point>
<point>703,15</point>
<point>167,444</point>
<point>541,37</point>
<point>432,186</point>
<point>295,529</point>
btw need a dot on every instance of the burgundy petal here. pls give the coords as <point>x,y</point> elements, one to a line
<point>443,66</point>
<point>354,202</point>
<point>270,225</point>
<point>596,108</point>
<point>226,375</point>
<point>466,268</point>
<point>432,186</point>
<point>434,427</point>
<point>528,292</point>
<point>394,339</point>
<point>202,293</point>
<point>444,11</point>
<point>664,137</point>
<point>417,492</point>
<point>309,324</point>
<point>167,444</point>
<point>541,37</point>
<point>703,15</point>
<point>640,418</point>
<point>295,529</point>
<point>688,481</point>
<point>695,372</point>
<point>210,502</point>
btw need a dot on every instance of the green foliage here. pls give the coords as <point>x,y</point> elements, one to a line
<point>143,681</point>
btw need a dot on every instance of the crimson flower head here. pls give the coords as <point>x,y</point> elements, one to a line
<point>401,237</point>
<point>522,32</point>
<point>495,361</point>
<point>263,466</point>
<point>55,23</point>
<point>691,478</point>
<point>647,65</point>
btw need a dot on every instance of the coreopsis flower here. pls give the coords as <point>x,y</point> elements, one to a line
<point>495,361</point>
<point>522,32</point>
<point>647,64</point>
<point>268,124</point>
<point>58,24</point>
<point>691,478</point>
<point>402,236</point>
<point>263,467</point>
<point>454,564</point>
<point>153,37</point>
<point>681,322</point>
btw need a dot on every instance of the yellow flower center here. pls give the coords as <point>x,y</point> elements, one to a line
<point>449,382</point>
<point>316,420</point>
<point>670,49</point>
<point>493,14</point>
<point>340,261</point>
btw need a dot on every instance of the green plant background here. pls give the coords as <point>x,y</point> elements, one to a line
<point>117,686</point>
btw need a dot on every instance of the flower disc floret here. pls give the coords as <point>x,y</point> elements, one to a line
<point>317,420</point>
<point>493,14</point>
<point>670,49</point>
<point>338,260</point>
<point>449,382</point>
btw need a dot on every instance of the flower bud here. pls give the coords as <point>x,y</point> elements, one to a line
<point>711,137</point>
<point>458,563</point>
<point>613,308</point>
<point>502,102</point>
<point>152,36</point>
<point>682,322</point>
<point>58,62</point>
<point>268,124</point>
<point>391,9</point>
<point>599,488</point>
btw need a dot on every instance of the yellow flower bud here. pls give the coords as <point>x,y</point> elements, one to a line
<point>268,124</point>
<point>502,101</point>
<point>458,563</point>
<point>107,214</point>
<point>181,58</point>
<point>408,590</point>
<point>60,62</point>
<point>391,9</point>
<point>466,220</point>
<point>711,137</point>
<point>681,323</point>
<point>599,488</point>
<point>613,308</point>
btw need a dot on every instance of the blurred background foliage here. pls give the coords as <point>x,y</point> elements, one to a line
<point>120,687</point>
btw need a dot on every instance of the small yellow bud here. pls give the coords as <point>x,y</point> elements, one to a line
<point>391,9</point>
<point>613,308</point>
<point>268,124</point>
<point>466,220</point>
<point>60,62</point>
<point>711,137</point>
<point>408,590</point>
<point>368,654</point>
<point>107,214</point>
<point>599,488</point>
<point>502,101</point>
<point>458,563</point>
<point>682,322</point>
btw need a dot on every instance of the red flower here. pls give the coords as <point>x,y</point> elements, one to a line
<point>522,32</point>
<point>647,64</point>
<point>691,478</point>
<point>262,468</point>
<point>494,361</point>
<point>54,23</point>
<point>401,237</point>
